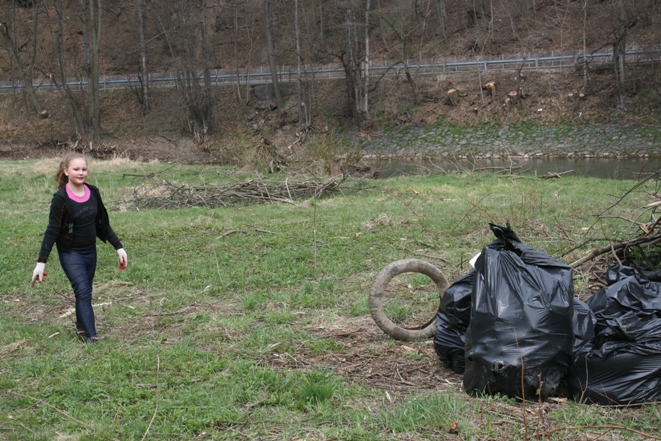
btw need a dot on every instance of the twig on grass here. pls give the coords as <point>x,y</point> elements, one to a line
<point>469,212</point>
<point>153,417</point>
<point>26,427</point>
<point>555,175</point>
<point>259,230</point>
<point>562,230</point>
<point>626,193</point>
<point>147,176</point>
<point>227,233</point>
<point>408,204</point>
<point>430,256</point>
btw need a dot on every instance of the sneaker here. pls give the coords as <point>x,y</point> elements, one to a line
<point>91,340</point>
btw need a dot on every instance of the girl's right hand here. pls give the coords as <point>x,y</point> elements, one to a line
<point>123,258</point>
<point>39,273</point>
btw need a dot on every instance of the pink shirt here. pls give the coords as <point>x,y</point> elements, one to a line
<point>79,199</point>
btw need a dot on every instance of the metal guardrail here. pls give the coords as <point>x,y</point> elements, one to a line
<point>423,67</point>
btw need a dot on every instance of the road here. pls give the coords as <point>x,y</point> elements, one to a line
<point>437,66</point>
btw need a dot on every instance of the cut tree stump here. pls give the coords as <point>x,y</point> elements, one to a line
<point>491,88</point>
<point>453,97</point>
<point>513,97</point>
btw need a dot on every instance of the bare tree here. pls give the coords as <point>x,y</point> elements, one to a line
<point>60,77</point>
<point>185,28</point>
<point>395,19</point>
<point>615,23</point>
<point>304,104</point>
<point>585,48</point>
<point>478,12</point>
<point>25,68</point>
<point>245,21</point>
<point>144,72</point>
<point>91,17</point>
<point>625,22</point>
<point>442,18</point>
<point>356,57</point>
<point>268,28</point>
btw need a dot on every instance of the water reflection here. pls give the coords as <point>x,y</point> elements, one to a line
<point>586,167</point>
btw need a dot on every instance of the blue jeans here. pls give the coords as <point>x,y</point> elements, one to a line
<point>79,265</point>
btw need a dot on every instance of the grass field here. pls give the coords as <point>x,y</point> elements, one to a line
<point>251,321</point>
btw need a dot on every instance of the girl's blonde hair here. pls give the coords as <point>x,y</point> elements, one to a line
<point>60,177</point>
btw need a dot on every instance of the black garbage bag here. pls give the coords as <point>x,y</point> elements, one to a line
<point>583,325</point>
<point>622,363</point>
<point>519,340</point>
<point>454,312</point>
<point>452,320</point>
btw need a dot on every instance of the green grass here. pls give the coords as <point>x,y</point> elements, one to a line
<point>265,333</point>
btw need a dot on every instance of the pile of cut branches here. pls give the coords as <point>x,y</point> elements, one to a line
<point>174,195</point>
<point>637,245</point>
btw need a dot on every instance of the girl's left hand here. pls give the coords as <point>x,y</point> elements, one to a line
<point>123,258</point>
<point>39,274</point>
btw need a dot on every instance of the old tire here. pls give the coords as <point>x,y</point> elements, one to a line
<point>378,290</point>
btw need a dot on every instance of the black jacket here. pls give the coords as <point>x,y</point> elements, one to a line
<point>60,229</point>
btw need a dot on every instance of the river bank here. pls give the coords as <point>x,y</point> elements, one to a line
<point>516,141</point>
<point>438,142</point>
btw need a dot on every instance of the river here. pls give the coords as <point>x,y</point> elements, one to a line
<point>624,168</point>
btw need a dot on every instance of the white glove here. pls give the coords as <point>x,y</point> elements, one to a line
<point>39,273</point>
<point>123,258</point>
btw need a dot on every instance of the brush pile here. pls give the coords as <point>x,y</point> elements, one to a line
<point>171,195</point>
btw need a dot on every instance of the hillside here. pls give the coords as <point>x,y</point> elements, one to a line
<point>231,35</point>
<point>397,29</point>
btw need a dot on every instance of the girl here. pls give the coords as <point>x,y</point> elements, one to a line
<point>77,218</point>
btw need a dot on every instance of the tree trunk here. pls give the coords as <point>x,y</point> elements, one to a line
<point>94,108</point>
<point>60,79</point>
<point>182,29</point>
<point>491,89</point>
<point>423,32</point>
<point>619,50</point>
<point>144,72</point>
<point>356,61</point>
<point>206,64</point>
<point>453,97</point>
<point>619,53</point>
<point>304,104</point>
<point>513,97</point>
<point>25,72</point>
<point>585,49</point>
<point>90,14</point>
<point>268,27</point>
<point>207,103</point>
<point>442,15</point>
<point>238,36</point>
<point>365,104</point>
<point>299,79</point>
<point>404,37</point>
<point>520,79</point>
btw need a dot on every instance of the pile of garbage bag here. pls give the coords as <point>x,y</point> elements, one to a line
<point>513,327</point>
<point>621,363</point>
